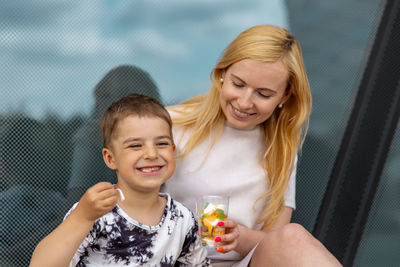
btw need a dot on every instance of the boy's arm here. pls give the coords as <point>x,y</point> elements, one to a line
<point>58,248</point>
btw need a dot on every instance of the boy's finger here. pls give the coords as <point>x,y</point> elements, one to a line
<point>107,193</point>
<point>106,204</point>
<point>102,186</point>
<point>110,203</point>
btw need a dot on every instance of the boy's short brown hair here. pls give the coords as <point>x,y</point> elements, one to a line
<point>133,104</point>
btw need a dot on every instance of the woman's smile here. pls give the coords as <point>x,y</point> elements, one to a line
<point>240,114</point>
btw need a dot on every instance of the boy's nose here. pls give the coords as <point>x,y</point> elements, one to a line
<point>150,153</point>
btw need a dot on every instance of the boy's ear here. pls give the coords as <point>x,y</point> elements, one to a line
<point>174,147</point>
<point>108,158</point>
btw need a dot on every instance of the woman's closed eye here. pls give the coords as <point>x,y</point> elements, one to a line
<point>238,85</point>
<point>263,95</point>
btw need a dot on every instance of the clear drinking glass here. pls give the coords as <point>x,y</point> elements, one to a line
<point>210,211</point>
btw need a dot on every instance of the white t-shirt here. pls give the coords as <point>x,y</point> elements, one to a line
<point>231,168</point>
<point>118,240</point>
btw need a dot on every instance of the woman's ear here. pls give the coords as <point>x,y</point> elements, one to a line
<point>223,75</point>
<point>108,158</point>
<point>288,94</point>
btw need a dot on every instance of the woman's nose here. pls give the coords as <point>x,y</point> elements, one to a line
<point>245,100</point>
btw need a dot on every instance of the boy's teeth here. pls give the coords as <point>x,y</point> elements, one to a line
<point>149,169</point>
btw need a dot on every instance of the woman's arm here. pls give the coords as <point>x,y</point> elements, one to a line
<point>284,218</point>
<point>243,239</point>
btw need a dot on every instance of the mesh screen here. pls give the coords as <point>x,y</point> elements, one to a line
<point>35,163</point>
<point>334,55</point>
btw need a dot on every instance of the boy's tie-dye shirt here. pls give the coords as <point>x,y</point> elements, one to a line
<point>118,240</point>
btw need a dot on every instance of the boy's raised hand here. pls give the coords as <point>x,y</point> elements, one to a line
<point>97,201</point>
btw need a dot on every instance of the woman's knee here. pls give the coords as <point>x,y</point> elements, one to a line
<point>291,234</point>
<point>280,245</point>
<point>294,232</point>
<point>292,245</point>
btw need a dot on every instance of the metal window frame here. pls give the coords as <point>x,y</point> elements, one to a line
<point>366,142</point>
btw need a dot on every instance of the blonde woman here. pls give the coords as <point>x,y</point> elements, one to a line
<point>241,139</point>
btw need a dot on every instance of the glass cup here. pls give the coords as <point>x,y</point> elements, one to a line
<point>210,211</point>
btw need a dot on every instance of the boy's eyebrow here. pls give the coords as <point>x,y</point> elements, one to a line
<point>132,139</point>
<point>136,139</point>
<point>163,137</point>
<point>267,89</point>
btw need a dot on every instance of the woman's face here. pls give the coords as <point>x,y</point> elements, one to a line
<point>251,91</point>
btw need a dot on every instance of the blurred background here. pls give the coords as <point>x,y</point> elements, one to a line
<point>63,62</point>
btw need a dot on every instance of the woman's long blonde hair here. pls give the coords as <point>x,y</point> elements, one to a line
<point>284,131</point>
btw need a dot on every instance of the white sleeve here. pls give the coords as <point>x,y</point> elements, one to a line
<point>82,249</point>
<point>193,253</point>
<point>290,193</point>
<point>85,243</point>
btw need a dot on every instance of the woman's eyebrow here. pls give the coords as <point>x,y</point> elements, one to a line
<point>261,88</point>
<point>237,77</point>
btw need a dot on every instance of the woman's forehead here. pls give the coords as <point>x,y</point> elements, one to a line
<point>260,74</point>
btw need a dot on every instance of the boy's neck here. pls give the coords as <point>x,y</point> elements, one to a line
<point>144,207</point>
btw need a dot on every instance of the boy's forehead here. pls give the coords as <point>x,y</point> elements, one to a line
<point>136,120</point>
<point>142,117</point>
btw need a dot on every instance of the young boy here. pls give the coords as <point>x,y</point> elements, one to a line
<point>147,227</point>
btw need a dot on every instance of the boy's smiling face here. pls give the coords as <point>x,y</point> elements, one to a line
<point>142,153</point>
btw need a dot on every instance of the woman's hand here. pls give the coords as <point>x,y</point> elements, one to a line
<point>97,201</point>
<point>229,240</point>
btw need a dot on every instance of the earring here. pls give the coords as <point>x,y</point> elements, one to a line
<point>280,105</point>
<point>221,79</point>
